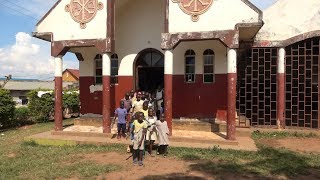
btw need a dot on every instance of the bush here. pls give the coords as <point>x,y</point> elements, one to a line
<point>71,101</point>
<point>7,107</point>
<point>41,109</point>
<point>22,116</point>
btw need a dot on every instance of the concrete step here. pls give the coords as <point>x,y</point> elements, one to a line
<point>88,121</point>
<point>206,125</point>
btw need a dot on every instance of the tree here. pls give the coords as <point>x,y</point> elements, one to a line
<point>7,107</point>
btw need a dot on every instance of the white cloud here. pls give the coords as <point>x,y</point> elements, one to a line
<point>29,58</point>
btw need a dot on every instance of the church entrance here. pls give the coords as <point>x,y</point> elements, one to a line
<point>149,70</point>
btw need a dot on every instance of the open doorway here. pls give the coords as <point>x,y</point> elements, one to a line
<point>149,70</point>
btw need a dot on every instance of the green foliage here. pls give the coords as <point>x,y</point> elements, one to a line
<point>19,160</point>
<point>41,109</point>
<point>21,116</point>
<point>282,134</point>
<point>71,101</point>
<point>7,107</point>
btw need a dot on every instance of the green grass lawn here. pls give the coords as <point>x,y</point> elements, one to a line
<point>27,160</point>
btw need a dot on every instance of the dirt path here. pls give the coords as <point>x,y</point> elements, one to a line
<point>295,144</point>
<point>157,166</point>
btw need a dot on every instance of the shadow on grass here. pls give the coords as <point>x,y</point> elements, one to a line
<point>272,162</point>
<point>267,163</point>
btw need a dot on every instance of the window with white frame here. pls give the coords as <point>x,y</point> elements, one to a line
<point>98,69</point>
<point>114,69</point>
<point>190,58</point>
<point>208,66</point>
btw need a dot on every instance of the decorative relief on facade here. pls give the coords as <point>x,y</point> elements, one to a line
<point>194,7</point>
<point>83,11</point>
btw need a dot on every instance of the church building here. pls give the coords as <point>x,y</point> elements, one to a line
<point>222,59</point>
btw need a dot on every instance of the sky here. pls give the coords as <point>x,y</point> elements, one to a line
<point>23,56</point>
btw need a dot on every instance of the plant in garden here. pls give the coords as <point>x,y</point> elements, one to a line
<point>21,116</point>
<point>71,101</point>
<point>41,108</point>
<point>7,107</point>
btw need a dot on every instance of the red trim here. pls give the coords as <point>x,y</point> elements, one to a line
<point>90,102</point>
<point>58,104</point>
<point>168,99</point>
<point>281,100</point>
<point>232,96</point>
<point>110,25</point>
<point>106,124</point>
<point>198,99</point>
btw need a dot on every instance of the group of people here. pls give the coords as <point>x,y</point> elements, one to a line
<point>141,117</point>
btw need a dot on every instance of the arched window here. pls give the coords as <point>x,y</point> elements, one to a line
<point>114,69</point>
<point>190,58</point>
<point>98,68</point>
<point>208,66</point>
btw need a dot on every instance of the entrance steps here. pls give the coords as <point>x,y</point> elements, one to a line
<point>182,124</point>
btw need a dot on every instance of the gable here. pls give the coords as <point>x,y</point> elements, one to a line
<point>64,23</point>
<point>288,18</point>
<point>220,15</point>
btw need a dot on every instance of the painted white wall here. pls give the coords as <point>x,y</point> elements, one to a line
<point>61,24</point>
<point>199,47</point>
<point>139,25</point>
<point>222,15</point>
<point>87,67</point>
<point>289,18</point>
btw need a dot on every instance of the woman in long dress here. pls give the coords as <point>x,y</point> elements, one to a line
<point>163,135</point>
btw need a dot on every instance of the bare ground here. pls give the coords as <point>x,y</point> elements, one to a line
<point>304,145</point>
<point>159,167</point>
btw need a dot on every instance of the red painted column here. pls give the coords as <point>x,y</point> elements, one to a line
<point>232,94</point>
<point>168,71</point>
<point>106,70</point>
<point>281,89</point>
<point>58,94</point>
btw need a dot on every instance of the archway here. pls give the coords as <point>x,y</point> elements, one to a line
<point>149,70</point>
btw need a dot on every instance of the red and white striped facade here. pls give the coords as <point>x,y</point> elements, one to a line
<point>129,28</point>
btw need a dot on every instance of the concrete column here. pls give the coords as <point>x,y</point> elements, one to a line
<point>168,72</point>
<point>58,93</point>
<point>106,72</point>
<point>232,94</point>
<point>281,90</point>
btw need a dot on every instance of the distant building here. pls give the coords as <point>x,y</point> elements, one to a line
<point>19,88</point>
<point>70,75</point>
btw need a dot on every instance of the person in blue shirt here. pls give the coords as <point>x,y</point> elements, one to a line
<point>121,114</point>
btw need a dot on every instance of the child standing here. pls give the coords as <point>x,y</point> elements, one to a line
<point>151,131</point>
<point>139,129</point>
<point>163,133</point>
<point>144,109</point>
<point>121,113</point>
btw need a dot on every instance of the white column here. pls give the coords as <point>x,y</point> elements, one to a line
<point>281,60</point>
<point>168,82</point>
<point>58,64</point>
<point>168,62</point>
<point>232,61</point>
<point>58,117</point>
<point>106,64</point>
<point>232,94</point>
<point>281,89</point>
